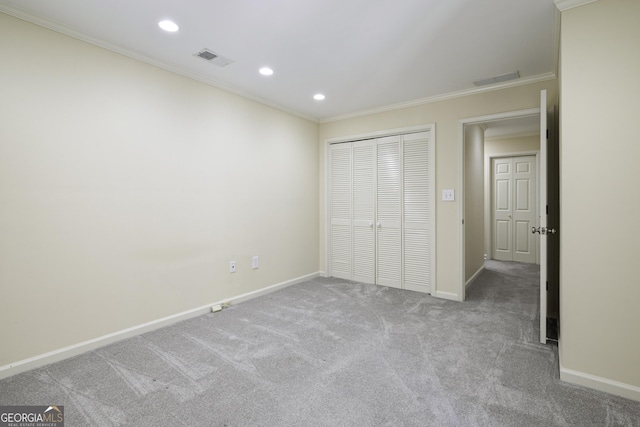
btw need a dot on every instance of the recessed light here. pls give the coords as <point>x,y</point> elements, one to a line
<point>169,26</point>
<point>266,71</point>
<point>318,97</point>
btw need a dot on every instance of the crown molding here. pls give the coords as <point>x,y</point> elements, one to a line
<point>451,95</point>
<point>20,14</point>
<point>563,5</point>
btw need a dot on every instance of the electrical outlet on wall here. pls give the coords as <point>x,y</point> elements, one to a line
<point>255,262</point>
<point>232,267</point>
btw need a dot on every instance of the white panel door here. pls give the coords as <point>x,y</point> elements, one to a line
<point>417,259</point>
<point>364,214</point>
<point>524,209</point>
<point>502,209</point>
<point>389,212</point>
<point>514,208</point>
<point>340,241</point>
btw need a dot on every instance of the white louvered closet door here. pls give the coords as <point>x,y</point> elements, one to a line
<point>381,211</point>
<point>389,218</point>
<point>340,211</point>
<point>418,213</point>
<point>364,178</point>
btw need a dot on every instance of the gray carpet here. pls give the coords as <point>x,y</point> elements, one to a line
<point>329,352</point>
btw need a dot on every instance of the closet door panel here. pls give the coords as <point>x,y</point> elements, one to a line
<point>340,233</point>
<point>417,260</point>
<point>364,176</point>
<point>389,208</point>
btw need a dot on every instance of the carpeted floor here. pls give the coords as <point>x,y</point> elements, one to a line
<point>329,352</point>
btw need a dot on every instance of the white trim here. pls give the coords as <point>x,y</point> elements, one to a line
<point>82,347</point>
<point>381,133</point>
<point>446,295</point>
<point>462,255</point>
<point>59,28</point>
<point>446,96</point>
<point>474,277</point>
<point>461,194</point>
<point>563,5</point>
<point>599,383</point>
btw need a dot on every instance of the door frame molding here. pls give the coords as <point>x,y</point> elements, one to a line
<point>488,210</point>
<point>477,120</point>
<point>427,127</point>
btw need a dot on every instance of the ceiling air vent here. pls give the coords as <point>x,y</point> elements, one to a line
<point>498,79</point>
<point>214,58</point>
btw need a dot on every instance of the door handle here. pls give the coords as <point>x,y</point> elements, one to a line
<point>379,225</point>
<point>543,230</point>
<point>371,224</point>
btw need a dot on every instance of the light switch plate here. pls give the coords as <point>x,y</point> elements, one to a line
<point>255,262</point>
<point>448,195</point>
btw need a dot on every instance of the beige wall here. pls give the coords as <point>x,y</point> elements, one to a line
<point>507,146</point>
<point>445,115</point>
<point>474,200</point>
<point>600,201</point>
<point>125,190</point>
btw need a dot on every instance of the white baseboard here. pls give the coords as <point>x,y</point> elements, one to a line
<point>82,347</point>
<point>472,278</point>
<point>447,295</point>
<point>601,384</point>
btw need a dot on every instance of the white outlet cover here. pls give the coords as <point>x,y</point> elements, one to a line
<point>255,262</point>
<point>232,267</point>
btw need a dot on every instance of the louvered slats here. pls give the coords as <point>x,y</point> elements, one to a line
<point>417,212</point>
<point>340,211</point>
<point>381,211</point>
<point>389,208</point>
<point>364,174</point>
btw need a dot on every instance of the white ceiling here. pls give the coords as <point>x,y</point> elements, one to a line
<point>364,55</point>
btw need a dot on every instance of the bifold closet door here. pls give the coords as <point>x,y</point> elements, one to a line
<point>340,231</point>
<point>364,200</point>
<point>389,212</point>
<point>381,213</point>
<point>417,212</point>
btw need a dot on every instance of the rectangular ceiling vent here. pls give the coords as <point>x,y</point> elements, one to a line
<point>214,58</point>
<point>498,79</point>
